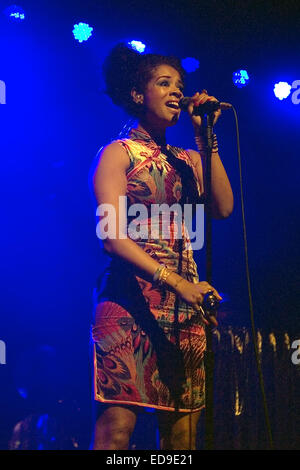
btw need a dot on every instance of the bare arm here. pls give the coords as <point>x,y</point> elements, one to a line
<point>222,196</point>
<point>109,183</point>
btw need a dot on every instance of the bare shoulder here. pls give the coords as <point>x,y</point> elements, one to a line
<point>110,160</point>
<point>109,179</point>
<point>114,154</point>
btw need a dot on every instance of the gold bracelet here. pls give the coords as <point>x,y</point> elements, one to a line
<point>200,142</point>
<point>164,274</point>
<point>158,271</point>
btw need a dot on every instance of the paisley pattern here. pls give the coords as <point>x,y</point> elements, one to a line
<point>140,357</point>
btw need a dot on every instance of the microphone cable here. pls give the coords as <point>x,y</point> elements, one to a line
<point>253,327</point>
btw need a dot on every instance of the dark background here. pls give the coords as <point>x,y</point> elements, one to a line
<point>55,120</point>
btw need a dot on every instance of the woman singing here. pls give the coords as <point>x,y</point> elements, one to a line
<point>148,332</point>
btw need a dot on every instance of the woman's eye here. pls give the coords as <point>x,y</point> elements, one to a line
<point>181,88</point>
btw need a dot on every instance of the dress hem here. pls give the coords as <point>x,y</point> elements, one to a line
<point>98,398</point>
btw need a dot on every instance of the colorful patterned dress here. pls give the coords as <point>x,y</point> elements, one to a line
<point>144,353</point>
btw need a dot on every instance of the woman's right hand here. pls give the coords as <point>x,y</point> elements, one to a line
<point>193,294</point>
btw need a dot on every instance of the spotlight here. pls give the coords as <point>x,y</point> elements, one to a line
<point>82,32</point>
<point>137,46</point>
<point>190,64</point>
<point>15,13</point>
<point>282,90</point>
<point>23,392</point>
<point>240,78</point>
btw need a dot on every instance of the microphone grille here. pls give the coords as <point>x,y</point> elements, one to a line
<point>184,103</point>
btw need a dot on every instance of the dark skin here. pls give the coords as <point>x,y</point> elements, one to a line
<point>116,423</point>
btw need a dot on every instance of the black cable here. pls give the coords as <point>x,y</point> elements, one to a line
<point>191,389</point>
<point>189,192</point>
<point>253,328</point>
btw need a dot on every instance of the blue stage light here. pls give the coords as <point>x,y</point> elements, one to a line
<point>15,13</point>
<point>23,392</point>
<point>240,78</point>
<point>225,297</point>
<point>82,32</point>
<point>282,90</point>
<point>137,46</point>
<point>190,64</point>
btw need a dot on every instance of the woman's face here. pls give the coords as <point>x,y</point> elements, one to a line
<point>161,97</point>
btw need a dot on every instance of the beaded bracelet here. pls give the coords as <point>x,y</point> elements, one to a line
<point>201,146</point>
<point>163,275</point>
<point>158,271</point>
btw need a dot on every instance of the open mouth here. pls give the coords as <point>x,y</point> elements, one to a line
<point>173,105</point>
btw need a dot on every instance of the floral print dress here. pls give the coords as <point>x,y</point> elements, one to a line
<point>148,343</point>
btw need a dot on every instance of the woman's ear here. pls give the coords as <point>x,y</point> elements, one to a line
<point>137,97</point>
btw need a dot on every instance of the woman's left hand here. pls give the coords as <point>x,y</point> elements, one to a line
<point>200,98</point>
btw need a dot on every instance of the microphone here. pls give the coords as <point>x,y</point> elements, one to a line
<point>205,108</point>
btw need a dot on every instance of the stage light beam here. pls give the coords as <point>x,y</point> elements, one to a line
<point>240,78</point>
<point>15,13</point>
<point>282,90</point>
<point>137,46</point>
<point>82,31</point>
<point>190,64</point>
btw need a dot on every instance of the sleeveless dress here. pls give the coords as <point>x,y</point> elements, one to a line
<point>149,344</point>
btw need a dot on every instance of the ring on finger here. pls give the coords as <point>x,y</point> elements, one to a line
<point>208,291</point>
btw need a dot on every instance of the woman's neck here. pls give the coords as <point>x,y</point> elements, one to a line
<point>158,135</point>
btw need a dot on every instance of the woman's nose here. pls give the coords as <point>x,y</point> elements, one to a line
<point>177,93</point>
